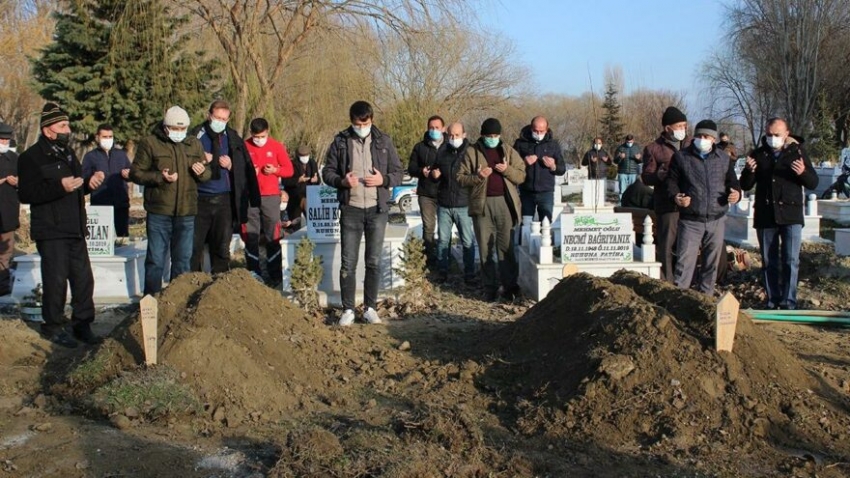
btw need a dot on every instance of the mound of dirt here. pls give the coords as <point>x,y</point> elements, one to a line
<point>247,352</point>
<point>629,363</point>
<point>22,355</point>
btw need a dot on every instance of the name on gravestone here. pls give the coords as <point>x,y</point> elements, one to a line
<point>322,213</point>
<point>101,230</point>
<point>596,237</point>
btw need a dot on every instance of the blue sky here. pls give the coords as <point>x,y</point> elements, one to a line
<point>658,43</point>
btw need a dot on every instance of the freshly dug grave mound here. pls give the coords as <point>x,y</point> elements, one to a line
<point>23,354</point>
<point>629,363</point>
<point>247,352</point>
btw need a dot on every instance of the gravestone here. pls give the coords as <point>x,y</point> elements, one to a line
<point>100,222</point>
<point>596,238</point>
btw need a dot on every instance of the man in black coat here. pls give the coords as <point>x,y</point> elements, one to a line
<point>779,169</point>
<point>10,206</point>
<point>223,200</point>
<point>423,166</point>
<point>51,183</point>
<point>543,162</point>
<point>113,165</point>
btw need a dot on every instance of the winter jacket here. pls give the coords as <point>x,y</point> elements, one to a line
<point>54,213</point>
<point>156,153</point>
<point>539,178</point>
<point>113,191</point>
<point>638,195</point>
<point>274,153</point>
<point>779,190</point>
<point>291,184</point>
<point>424,155</point>
<point>475,160</point>
<point>384,159</point>
<point>596,169</point>
<point>656,163</point>
<point>630,164</point>
<point>244,189</point>
<point>451,193</point>
<point>10,205</point>
<point>707,182</point>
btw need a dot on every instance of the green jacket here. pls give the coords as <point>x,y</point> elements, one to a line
<point>467,176</point>
<point>156,153</point>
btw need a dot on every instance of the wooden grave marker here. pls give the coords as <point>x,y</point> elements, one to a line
<point>725,322</point>
<point>149,313</point>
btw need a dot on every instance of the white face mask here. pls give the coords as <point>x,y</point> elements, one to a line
<point>362,131</point>
<point>597,147</point>
<point>456,143</point>
<point>679,134</point>
<point>629,144</point>
<point>4,148</point>
<point>176,136</point>
<point>283,206</point>
<point>217,126</point>
<point>538,136</point>
<point>106,144</point>
<point>703,145</point>
<point>260,142</point>
<point>304,159</point>
<point>775,142</point>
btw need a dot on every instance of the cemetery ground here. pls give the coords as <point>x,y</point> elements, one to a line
<point>605,377</point>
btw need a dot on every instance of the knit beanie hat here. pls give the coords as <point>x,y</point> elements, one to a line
<point>176,116</point>
<point>706,127</point>
<point>6,131</point>
<point>303,150</point>
<point>51,114</point>
<point>491,126</point>
<point>672,115</point>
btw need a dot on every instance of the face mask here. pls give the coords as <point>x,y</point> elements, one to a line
<point>703,145</point>
<point>106,144</point>
<point>629,144</point>
<point>283,206</point>
<point>597,147</point>
<point>775,142</point>
<point>304,159</point>
<point>63,138</point>
<point>538,136</point>
<point>260,142</point>
<point>362,131</point>
<point>435,134</point>
<point>217,126</point>
<point>456,143</point>
<point>679,134</point>
<point>4,148</point>
<point>176,136</point>
<point>491,142</point>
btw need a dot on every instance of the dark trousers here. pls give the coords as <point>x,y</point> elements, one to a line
<point>121,215</point>
<point>354,222</point>
<point>214,229</point>
<point>428,211</point>
<point>7,250</point>
<point>495,233</point>
<point>699,239</point>
<point>667,229</point>
<point>541,203</point>
<point>65,261</point>
<point>264,221</point>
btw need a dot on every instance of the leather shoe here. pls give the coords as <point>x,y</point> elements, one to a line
<point>60,338</point>
<point>84,334</point>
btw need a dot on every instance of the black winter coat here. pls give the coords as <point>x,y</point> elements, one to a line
<point>113,191</point>
<point>539,178</point>
<point>596,169</point>
<point>424,155</point>
<point>451,193</point>
<point>10,205</point>
<point>779,190</point>
<point>291,184</point>
<point>55,214</point>
<point>707,182</point>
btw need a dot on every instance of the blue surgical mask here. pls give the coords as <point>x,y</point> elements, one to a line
<point>491,142</point>
<point>629,144</point>
<point>176,136</point>
<point>217,126</point>
<point>435,134</point>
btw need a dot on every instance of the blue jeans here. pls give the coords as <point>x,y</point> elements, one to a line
<point>780,253</point>
<point>625,180</point>
<point>541,202</point>
<point>164,232</point>
<point>354,222</point>
<point>446,216</point>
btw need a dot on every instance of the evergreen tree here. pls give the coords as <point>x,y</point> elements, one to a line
<point>824,144</point>
<point>612,124</point>
<point>121,63</point>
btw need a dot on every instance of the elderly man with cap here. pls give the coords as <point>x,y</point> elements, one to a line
<point>306,174</point>
<point>702,183</point>
<point>656,163</point>
<point>10,206</point>
<point>169,165</point>
<point>271,164</point>
<point>491,171</point>
<point>51,183</point>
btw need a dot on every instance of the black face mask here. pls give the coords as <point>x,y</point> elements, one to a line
<point>62,139</point>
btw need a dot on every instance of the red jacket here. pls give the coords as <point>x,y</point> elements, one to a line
<point>273,153</point>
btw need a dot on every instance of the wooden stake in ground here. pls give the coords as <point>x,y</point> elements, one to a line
<point>569,269</point>
<point>149,312</point>
<point>725,322</point>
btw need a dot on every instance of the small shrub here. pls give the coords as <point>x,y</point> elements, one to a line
<point>414,271</point>
<point>307,273</point>
<point>155,392</point>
